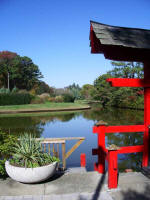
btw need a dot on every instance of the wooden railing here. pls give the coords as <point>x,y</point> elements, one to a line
<point>52,146</point>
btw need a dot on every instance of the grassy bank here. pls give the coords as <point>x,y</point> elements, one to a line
<point>38,114</point>
<point>43,107</point>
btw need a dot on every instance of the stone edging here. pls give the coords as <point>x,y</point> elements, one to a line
<point>42,110</point>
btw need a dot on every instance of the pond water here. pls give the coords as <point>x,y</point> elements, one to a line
<point>79,124</point>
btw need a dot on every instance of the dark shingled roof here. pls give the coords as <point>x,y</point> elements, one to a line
<point>119,43</point>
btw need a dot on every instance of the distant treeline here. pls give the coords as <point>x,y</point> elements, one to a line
<point>22,75</point>
<point>102,92</point>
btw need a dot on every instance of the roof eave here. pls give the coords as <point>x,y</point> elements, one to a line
<point>116,52</point>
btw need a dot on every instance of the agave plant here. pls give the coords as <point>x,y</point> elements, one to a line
<point>28,153</point>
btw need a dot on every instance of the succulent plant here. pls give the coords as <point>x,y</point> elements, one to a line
<point>28,153</point>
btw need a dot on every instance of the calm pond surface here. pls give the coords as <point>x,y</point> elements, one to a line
<point>79,124</point>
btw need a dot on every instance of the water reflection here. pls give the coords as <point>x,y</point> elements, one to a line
<point>79,124</point>
<point>18,124</point>
<point>115,116</point>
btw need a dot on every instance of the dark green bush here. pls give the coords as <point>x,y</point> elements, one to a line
<point>2,168</point>
<point>6,146</point>
<point>14,99</point>
<point>68,97</point>
<point>6,143</point>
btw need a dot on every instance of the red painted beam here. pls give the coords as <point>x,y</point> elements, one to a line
<point>128,82</point>
<point>128,149</point>
<point>120,129</point>
<point>96,129</point>
<point>126,128</point>
<point>131,149</point>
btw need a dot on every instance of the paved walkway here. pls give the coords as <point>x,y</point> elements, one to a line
<point>77,184</point>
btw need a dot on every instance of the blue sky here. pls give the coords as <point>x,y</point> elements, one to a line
<point>55,34</point>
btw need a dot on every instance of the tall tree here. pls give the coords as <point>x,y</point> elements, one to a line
<point>127,70</point>
<point>23,73</point>
<point>6,69</point>
<point>75,90</point>
<point>74,86</point>
<point>120,96</point>
<point>87,91</point>
<point>103,90</point>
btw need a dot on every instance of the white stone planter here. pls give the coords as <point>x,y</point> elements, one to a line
<point>30,175</point>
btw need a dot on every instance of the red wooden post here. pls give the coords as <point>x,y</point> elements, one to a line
<point>83,160</point>
<point>100,166</point>
<point>146,114</point>
<point>112,169</point>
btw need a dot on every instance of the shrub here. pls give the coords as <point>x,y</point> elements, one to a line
<point>51,99</point>
<point>40,99</point>
<point>14,99</point>
<point>59,99</point>
<point>44,96</point>
<point>76,92</point>
<point>4,90</point>
<point>6,145</point>
<point>68,97</point>
<point>23,91</point>
<point>37,100</point>
<point>15,90</point>
<point>2,167</point>
<point>32,91</point>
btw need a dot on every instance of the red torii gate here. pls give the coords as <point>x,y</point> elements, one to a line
<point>122,44</point>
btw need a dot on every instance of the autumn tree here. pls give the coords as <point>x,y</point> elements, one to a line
<point>41,87</point>
<point>6,60</point>
<point>18,71</point>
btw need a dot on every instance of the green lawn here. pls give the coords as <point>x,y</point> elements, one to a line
<point>46,106</point>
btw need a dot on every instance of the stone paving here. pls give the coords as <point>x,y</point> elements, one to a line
<point>72,196</point>
<point>77,184</point>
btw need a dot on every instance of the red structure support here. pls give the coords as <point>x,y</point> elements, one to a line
<point>83,160</point>
<point>146,115</point>
<point>120,48</point>
<point>111,154</point>
<point>112,169</point>
<point>101,147</point>
<point>100,165</point>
